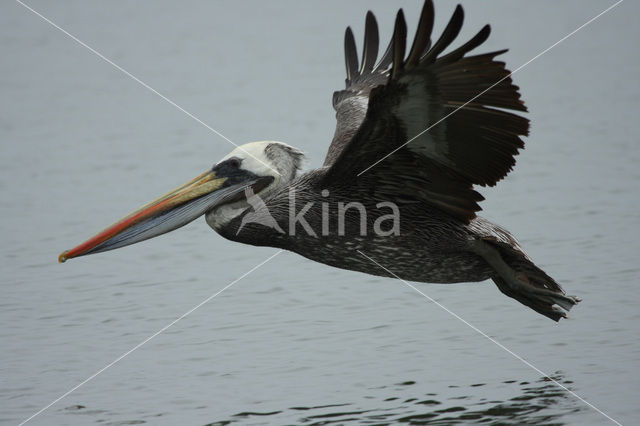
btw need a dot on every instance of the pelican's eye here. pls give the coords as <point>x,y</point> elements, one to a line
<point>234,163</point>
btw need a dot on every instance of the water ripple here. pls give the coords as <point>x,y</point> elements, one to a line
<point>539,403</point>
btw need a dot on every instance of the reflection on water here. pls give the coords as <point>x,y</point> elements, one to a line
<point>542,402</point>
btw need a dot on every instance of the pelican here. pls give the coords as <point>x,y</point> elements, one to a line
<point>395,196</point>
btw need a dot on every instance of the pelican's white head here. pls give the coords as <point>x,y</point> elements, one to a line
<point>256,168</point>
<point>262,159</point>
<point>268,158</point>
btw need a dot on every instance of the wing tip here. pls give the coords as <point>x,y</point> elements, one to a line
<point>399,44</point>
<point>350,55</point>
<point>370,45</point>
<point>422,39</point>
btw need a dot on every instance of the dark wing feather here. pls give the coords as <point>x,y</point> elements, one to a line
<point>449,34</point>
<point>385,61</point>
<point>351,104</point>
<point>399,44</point>
<point>461,100</point>
<point>350,55</point>
<point>422,40</point>
<point>370,50</point>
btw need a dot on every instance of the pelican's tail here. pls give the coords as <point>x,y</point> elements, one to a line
<point>518,277</point>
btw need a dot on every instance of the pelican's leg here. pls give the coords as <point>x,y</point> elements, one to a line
<point>526,282</point>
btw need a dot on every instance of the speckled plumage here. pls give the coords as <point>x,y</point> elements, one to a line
<point>431,246</point>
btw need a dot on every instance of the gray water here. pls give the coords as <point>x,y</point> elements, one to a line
<point>297,342</point>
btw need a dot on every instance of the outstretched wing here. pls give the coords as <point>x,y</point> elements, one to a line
<point>425,127</point>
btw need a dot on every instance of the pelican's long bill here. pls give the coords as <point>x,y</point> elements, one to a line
<point>169,212</point>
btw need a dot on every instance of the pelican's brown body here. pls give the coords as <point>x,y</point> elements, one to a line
<point>430,247</point>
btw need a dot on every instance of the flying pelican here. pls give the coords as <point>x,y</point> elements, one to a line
<point>395,194</point>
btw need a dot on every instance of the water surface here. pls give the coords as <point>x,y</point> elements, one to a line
<point>298,342</point>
